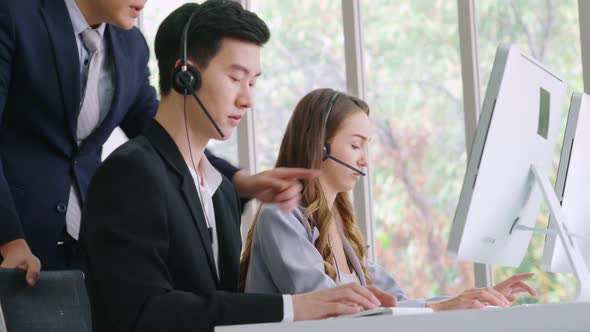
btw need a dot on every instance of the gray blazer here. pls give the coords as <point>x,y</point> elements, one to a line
<point>284,259</point>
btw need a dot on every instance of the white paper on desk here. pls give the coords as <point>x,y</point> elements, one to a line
<point>394,311</point>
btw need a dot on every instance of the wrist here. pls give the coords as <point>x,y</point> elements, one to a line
<point>435,305</point>
<point>297,300</point>
<point>17,244</point>
<point>240,180</point>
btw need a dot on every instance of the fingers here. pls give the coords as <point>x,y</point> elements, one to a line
<point>18,255</point>
<point>338,309</point>
<point>287,199</point>
<point>515,278</point>
<point>30,265</point>
<point>515,285</point>
<point>476,304</point>
<point>266,181</point>
<point>353,293</point>
<point>289,193</point>
<point>289,173</point>
<point>521,287</point>
<point>280,179</point>
<point>324,303</point>
<point>472,299</point>
<point>493,297</point>
<point>33,270</point>
<point>285,194</point>
<point>502,300</point>
<point>281,186</point>
<point>386,299</point>
<point>365,293</point>
<point>522,276</point>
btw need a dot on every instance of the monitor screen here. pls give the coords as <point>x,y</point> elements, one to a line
<point>571,187</point>
<point>518,127</point>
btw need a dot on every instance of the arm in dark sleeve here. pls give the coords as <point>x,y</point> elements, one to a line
<point>10,226</point>
<point>146,102</point>
<point>125,236</point>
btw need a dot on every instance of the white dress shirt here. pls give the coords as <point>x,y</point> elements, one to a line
<point>106,89</point>
<point>210,182</point>
<point>106,84</point>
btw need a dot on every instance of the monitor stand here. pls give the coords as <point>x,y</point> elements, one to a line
<point>581,271</point>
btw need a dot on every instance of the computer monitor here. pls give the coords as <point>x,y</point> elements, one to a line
<point>518,128</point>
<point>572,188</point>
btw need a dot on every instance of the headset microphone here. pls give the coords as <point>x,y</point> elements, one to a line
<point>190,89</point>
<point>327,155</point>
<point>327,145</point>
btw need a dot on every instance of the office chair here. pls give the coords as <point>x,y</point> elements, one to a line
<point>58,302</point>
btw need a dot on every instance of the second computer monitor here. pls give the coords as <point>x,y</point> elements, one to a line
<point>571,187</point>
<point>518,127</point>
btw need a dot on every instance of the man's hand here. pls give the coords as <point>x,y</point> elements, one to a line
<point>386,299</point>
<point>341,300</point>
<point>279,185</point>
<point>515,285</point>
<point>18,255</point>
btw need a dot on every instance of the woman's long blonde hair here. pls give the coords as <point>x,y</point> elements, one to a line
<point>302,146</point>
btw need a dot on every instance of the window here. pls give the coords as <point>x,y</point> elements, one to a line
<point>305,52</point>
<point>413,83</point>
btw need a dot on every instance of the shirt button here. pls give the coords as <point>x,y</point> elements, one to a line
<point>61,208</point>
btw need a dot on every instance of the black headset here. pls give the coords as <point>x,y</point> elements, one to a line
<point>326,150</point>
<point>185,75</point>
<point>186,79</point>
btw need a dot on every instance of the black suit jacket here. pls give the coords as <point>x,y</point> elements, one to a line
<point>149,257</point>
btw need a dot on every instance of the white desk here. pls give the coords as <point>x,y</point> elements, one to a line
<point>562,317</point>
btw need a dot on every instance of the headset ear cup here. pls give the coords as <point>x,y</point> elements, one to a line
<point>177,84</point>
<point>326,151</point>
<point>191,75</point>
<point>196,77</point>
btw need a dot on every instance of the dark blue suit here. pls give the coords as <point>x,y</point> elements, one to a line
<point>39,106</point>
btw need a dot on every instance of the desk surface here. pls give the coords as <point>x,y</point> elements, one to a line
<point>562,317</point>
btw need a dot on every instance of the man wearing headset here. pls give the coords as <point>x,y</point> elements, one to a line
<point>70,72</point>
<point>161,226</point>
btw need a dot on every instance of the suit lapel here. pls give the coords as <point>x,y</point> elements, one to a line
<point>191,199</point>
<point>65,50</point>
<point>229,240</point>
<point>167,148</point>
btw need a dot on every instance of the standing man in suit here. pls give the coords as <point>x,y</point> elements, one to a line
<point>161,227</point>
<point>70,72</point>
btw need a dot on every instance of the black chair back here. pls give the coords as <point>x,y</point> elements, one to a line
<point>57,303</point>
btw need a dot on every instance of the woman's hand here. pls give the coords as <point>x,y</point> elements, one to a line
<point>515,285</point>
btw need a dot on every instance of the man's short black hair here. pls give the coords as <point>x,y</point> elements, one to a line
<point>214,20</point>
